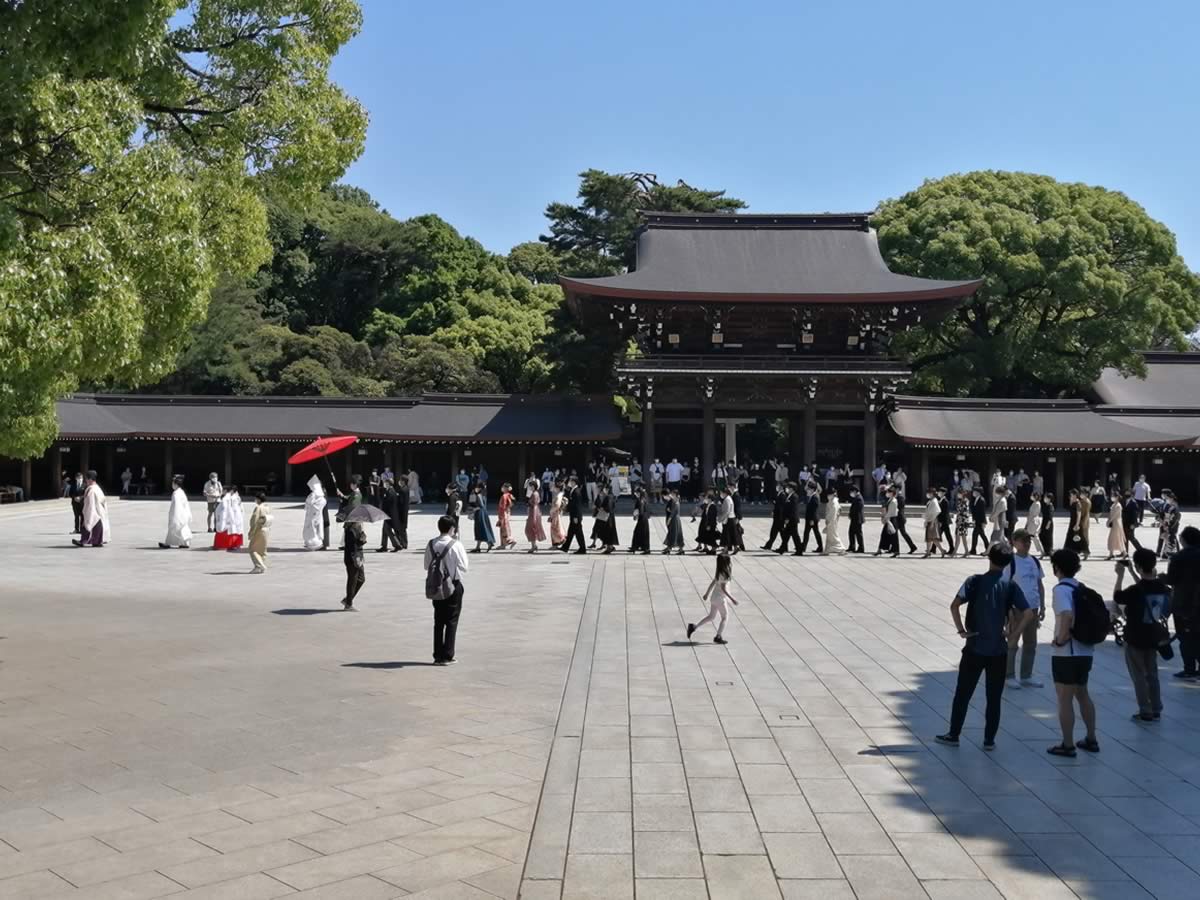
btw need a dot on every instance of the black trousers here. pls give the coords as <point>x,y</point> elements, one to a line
<point>979,534</point>
<point>389,534</point>
<point>78,511</point>
<point>888,541</point>
<point>356,577</point>
<point>944,531</point>
<point>856,538</point>
<point>810,527</point>
<point>574,530</point>
<point>972,666</point>
<point>325,527</point>
<point>1189,643</point>
<point>1046,536</point>
<point>1130,537</point>
<point>776,530</point>
<point>789,532</point>
<point>445,624</point>
<point>902,532</point>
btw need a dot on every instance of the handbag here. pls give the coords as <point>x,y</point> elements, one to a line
<point>602,516</point>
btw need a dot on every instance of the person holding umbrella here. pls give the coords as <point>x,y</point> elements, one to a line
<point>355,538</point>
<point>391,502</point>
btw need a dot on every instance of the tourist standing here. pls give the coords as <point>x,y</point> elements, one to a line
<point>640,540</point>
<point>1147,603</point>
<point>1117,544</point>
<point>414,487</point>
<point>315,530</point>
<point>179,518</point>
<point>997,613</point>
<point>260,533</point>
<point>213,492</point>
<point>445,567</point>
<point>716,595</point>
<point>375,487</point>
<point>1183,574</point>
<point>1026,572</point>
<point>1141,493</point>
<point>1097,498</point>
<point>857,517</point>
<point>504,516</point>
<point>1072,659</point>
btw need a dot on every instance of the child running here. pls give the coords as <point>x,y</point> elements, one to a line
<point>718,591</point>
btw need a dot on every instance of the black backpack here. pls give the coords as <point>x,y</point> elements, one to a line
<point>1091,621</point>
<point>438,585</point>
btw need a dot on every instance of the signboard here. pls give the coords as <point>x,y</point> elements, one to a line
<point>620,482</point>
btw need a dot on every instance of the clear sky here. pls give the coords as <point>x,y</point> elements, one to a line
<point>482,112</point>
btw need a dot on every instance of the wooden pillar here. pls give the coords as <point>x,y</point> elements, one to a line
<point>730,441</point>
<point>287,472</point>
<point>708,436</point>
<point>868,466</point>
<point>27,478</point>
<point>810,434</point>
<point>228,457</point>
<point>168,465</point>
<point>1126,471</point>
<point>647,442</point>
<point>85,457</point>
<point>109,468</point>
<point>795,444</point>
<point>1060,464</point>
<point>1078,470</point>
<point>522,470</point>
<point>989,475</point>
<point>349,466</point>
<point>453,466</point>
<point>56,471</point>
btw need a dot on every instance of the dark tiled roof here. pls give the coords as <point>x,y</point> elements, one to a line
<point>794,258</point>
<point>1172,380</point>
<point>1048,424</point>
<point>430,418</point>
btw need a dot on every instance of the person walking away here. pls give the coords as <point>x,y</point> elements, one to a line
<point>997,613</point>
<point>1085,523</point>
<point>454,504</point>
<point>857,517</point>
<point>726,522</point>
<point>1147,603</point>
<point>1130,518</point>
<point>779,511</point>
<point>213,492</point>
<point>1026,572</point>
<point>1168,539</point>
<point>260,533</point>
<point>979,519</point>
<point>1033,522</point>
<point>1010,514</point>
<point>1141,493</point>
<point>716,595</point>
<point>534,531</point>
<point>674,539</point>
<point>445,568</point>
<point>639,542</point>
<point>902,524</point>
<point>1117,544</point>
<point>793,512</point>
<point>833,509</point>
<point>94,528</point>
<point>1046,535</point>
<point>1183,575</point>
<point>504,517</point>
<point>575,507</point>
<point>314,535</point>
<point>389,499</point>
<point>353,541</point>
<point>943,520</point>
<point>932,511</point>
<point>477,505</point>
<point>126,480</point>
<point>999,515</point>
<point>179,518</point>
<point>557,498</point>
<point>812,508</point>
<point>1076,633</point>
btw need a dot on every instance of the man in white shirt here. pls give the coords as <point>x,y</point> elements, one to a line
<point>446,552</point>
<point>781,475</point>
<point>1026,572</point>
<point>213,492</point>
<point>656,481</point>
<point>1072,660</point>
<point>1141,493</point>
<point>899,479</point>
<point>674,474</point>
<point>999,516</point>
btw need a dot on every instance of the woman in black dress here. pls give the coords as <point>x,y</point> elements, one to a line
<point>1077,537</point>
<point>1046,533</point>
<point>640,542</point>
<point>674,539</point>
<point>605,527</point>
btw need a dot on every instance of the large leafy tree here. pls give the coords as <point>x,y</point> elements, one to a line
<point>137,138</point>
<point>597,235</point>
<point>1075,278</point>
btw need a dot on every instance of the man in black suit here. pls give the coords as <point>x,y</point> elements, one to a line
<point>1130,513</point>
<point>812,504</point>
<point>400,522</point>
<point>778,515</point>
<point>389,502</point>
<point>793,510</point>
<point>575,516</point>
<point>901,527</point>
<point>979,518</point>
<point>857,515</point>
<point>944,519</point>
<point>1010,518</point>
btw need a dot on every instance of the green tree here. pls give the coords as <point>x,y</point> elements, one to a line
<point>137,139</point>
<point>597,235</point>
<point>1075,278</point>
<point>415,365</point>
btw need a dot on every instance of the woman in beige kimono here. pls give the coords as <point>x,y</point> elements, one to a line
<point>260,533</point>
<point>1117,545</point>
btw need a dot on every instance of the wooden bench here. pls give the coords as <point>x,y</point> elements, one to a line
<point>7,496</point>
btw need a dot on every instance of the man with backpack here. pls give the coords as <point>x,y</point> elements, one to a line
<point>997,613</point>
<point>445,565</point>
<point>1081,621</point>
<point>1026,572</point>
<point>1147,604</point>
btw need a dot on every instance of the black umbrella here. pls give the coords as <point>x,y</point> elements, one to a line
<point>365,512</point>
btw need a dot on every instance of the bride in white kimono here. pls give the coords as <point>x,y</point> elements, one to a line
<point>833,508</point>
<point>314,506</point>
<point>179,519</point>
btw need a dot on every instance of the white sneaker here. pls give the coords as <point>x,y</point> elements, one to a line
<point>1013,684</point>
<point>1030,683</point>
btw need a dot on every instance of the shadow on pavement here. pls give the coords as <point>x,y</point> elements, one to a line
<point>303,612</point>
<point>397,664</point>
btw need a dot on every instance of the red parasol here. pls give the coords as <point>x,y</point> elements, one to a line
<point>322,447</point>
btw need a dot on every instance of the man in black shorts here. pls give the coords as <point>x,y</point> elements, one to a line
<point>1071,661</point>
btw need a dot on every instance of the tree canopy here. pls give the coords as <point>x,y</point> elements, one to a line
<point>1075,278</point>
<point>137,141</point>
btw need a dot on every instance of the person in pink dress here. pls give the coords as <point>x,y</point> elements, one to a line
<point>504,516</point>
<point>534,531</point>
<point>557,535</point>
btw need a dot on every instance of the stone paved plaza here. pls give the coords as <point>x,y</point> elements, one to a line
<point>170,726</point>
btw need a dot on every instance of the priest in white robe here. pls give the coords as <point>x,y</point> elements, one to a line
<point>179,518</point>
<point>314,507</point>
<point>96,531</point>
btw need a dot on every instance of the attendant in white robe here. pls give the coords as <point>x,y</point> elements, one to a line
<point>833,509</point>
<point>314,506</point>
<point>229,521</point>
<point>96,531</point>
<point>414,487</point>
<point>179,519</point>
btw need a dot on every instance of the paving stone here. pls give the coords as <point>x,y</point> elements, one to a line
<point>432,871</point>
<point>726,832</point>
<point>598,877</point>
<point>666,854</point>
<point>264,887</point>
<point>802,856</point>
<point>601,832</point>
<point>740,877</point>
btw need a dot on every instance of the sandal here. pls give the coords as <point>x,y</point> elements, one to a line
<point>1090,745</point>
<point>1062,750</point>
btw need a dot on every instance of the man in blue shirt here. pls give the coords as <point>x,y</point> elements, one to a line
<point>997,612</point>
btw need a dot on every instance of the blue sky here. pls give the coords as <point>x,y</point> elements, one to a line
<point>483,112</point>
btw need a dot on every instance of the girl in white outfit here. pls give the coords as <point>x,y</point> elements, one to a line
<point>716,595</point>
<point>1033,522</point>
